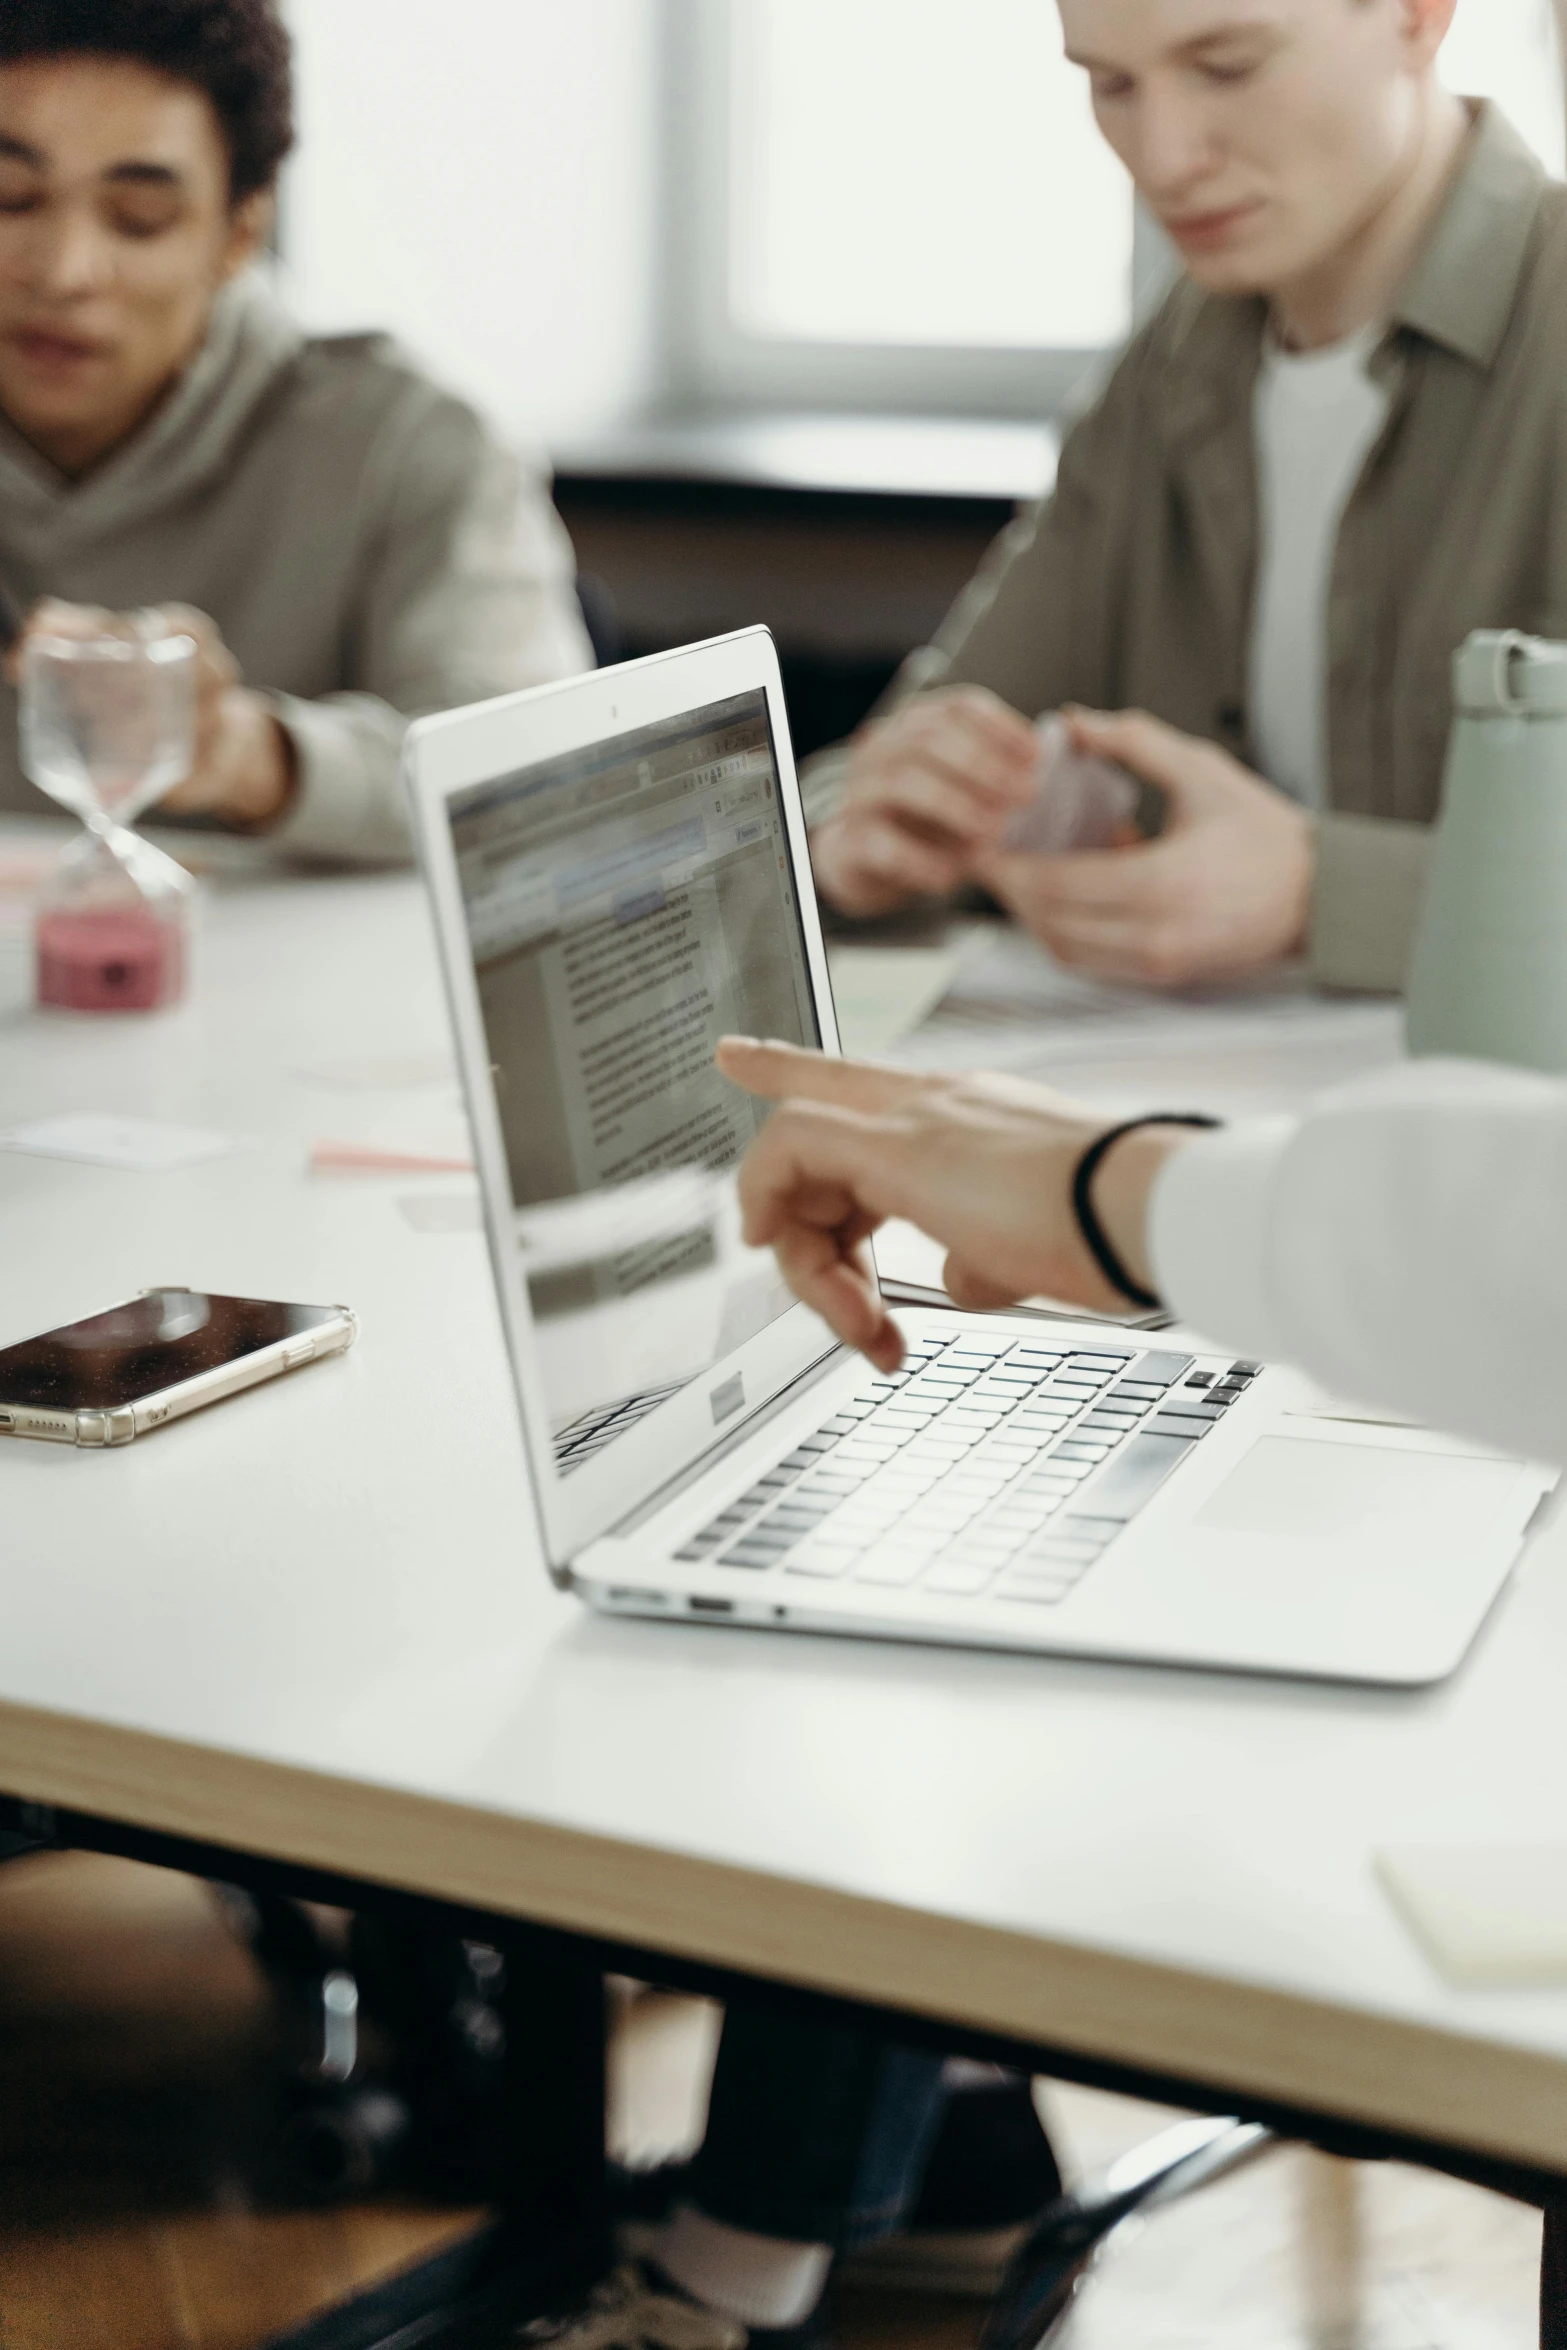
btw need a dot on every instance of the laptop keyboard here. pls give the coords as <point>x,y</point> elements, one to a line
<point>982,1467</point>
<point>589,1434</point>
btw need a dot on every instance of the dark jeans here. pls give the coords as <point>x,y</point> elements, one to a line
<point>815,2132</point>
<point>1553,2282</point>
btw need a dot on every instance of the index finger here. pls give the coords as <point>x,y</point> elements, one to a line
<point>780,1072</point>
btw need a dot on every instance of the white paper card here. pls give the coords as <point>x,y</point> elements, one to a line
<point>442,1211</point>
<point>1487,1915</point>
<point>97,1138</point>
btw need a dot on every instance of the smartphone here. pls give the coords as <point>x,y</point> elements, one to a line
<point>156,1357</point>
<point>1082,801</point>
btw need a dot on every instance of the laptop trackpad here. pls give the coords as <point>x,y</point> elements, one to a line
<point>1327,1493</point>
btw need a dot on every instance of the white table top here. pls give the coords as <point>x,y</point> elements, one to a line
<point>327,1595</point>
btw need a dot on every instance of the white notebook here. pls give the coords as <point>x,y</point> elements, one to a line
<point>1487,1915</point>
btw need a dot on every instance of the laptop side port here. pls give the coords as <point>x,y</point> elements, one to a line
<point>711,1607</point>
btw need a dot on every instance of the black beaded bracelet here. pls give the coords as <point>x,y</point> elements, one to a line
<point>1088,1224</point>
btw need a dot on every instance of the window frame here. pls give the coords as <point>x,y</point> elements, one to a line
<point>709,362</point>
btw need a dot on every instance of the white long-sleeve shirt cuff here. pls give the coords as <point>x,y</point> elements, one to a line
<point>1403,1241</point>
<point>1211,1233</point>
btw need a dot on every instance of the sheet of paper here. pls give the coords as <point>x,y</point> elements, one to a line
<point>882,993</point>
<point>98,1138</point>
<point>1012,1006</point>
<point>1486,1915</point>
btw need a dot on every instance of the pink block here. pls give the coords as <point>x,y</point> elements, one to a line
<point>119,960</point>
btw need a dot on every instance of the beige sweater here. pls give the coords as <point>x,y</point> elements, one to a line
<point>366,548</point>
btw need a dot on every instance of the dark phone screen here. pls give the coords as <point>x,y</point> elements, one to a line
<point>137,1349</point>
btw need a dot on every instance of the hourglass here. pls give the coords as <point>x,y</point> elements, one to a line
<point>108,725</point>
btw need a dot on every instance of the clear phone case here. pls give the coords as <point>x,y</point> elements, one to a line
<point>1080,802</point>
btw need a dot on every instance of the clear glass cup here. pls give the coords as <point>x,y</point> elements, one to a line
<point>108,725</point>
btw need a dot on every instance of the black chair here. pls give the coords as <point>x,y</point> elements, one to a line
<point>394,2039</point>
<point>1049,2268</point>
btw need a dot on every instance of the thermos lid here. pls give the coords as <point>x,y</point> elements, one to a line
<point>1499,671</point>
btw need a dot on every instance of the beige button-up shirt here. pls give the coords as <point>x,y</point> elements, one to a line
<point>1134,585</point>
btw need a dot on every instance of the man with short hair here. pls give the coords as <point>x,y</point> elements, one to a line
<point>342,537</point>
<point>1334,452</point>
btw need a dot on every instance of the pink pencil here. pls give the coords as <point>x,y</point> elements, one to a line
<point>362,1158</point>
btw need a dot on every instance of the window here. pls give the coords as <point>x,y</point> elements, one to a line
<point>906,204</point>
<point>1507,50</point>
<point>860,192</point>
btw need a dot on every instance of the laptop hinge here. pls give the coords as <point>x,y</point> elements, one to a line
<point>730,1442</point>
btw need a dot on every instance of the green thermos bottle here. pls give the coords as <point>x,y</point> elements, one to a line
<point>1488,981</point>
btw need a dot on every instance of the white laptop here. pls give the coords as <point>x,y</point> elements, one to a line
<point>619,875</point>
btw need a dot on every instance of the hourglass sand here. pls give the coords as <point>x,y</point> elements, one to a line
<point>108,725</point>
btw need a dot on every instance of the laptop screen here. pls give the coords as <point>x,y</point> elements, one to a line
<point>627,905</point>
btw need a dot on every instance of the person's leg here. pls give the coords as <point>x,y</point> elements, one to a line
<point>992,2165</point>
<point>815,2131</point>
<point>824,2139</point>
<point>1553,2282</point>
<point>816,2138</point>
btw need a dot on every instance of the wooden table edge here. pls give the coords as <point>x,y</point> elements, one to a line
<point>1412,2079</point>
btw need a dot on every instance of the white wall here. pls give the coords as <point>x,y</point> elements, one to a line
<point>479,175</point>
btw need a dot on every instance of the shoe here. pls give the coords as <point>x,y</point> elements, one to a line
<point>639,2308</point>
<point>991,2172</point>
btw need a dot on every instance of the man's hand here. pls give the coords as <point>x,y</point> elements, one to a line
<point>243,770</point>
<point>982,1164</point>
<point>928,790</point>
<point>1225,889</point>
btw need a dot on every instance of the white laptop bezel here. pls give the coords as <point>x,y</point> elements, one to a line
<point>451,753</point>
